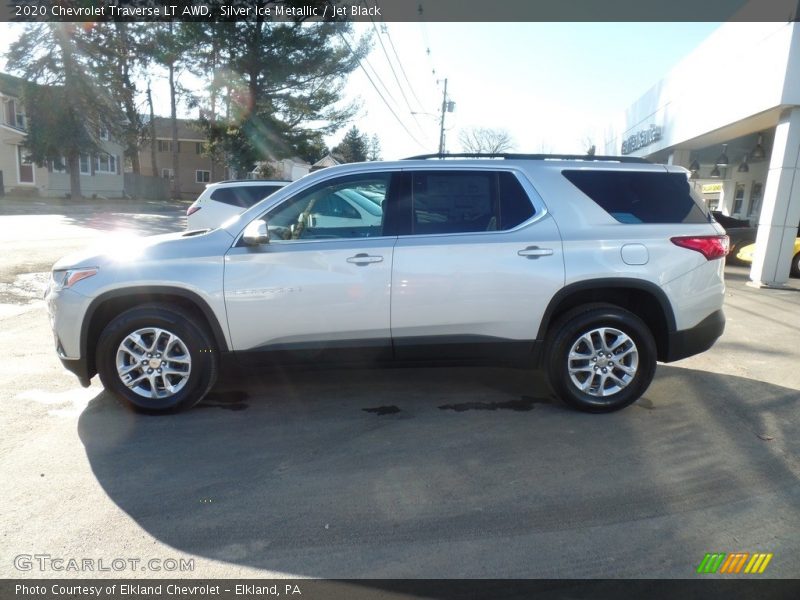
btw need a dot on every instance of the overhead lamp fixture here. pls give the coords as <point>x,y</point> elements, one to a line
<point>743,166</point>
<point>758,152</point>
<point>695,166</point>
<point>694,175</point>
<point>722,159</point>
<point>715,174</point>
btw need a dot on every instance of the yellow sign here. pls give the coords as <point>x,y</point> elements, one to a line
<point>712,188</point>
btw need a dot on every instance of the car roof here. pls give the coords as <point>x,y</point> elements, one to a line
<point>247,182</point>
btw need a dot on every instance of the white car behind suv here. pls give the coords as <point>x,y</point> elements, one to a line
<point>225,199</point>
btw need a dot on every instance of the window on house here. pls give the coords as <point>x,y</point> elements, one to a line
<point>105,163</point>
<point>167,146</point>
<point>60,165</point>
<point>166,173</point>
<point>103,133</point>
<point>202,176</point>
<point>85,165</point>
<point>11,112</point>
<point>198,148</point>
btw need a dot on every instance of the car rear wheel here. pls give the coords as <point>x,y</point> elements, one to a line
<point>600,358</point>
<point>796,265</point>
<point>156,358</point>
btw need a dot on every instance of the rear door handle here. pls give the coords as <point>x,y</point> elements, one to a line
<point>535,252</point>
<point>364,259</point>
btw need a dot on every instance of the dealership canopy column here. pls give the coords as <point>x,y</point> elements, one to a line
<point>741,150</point>
<point>780,211</point>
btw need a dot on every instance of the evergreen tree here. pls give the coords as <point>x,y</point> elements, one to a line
<point>67,108</point>
<point>284,86</point>
<point>354,146</point>
<point>374,152</point>
<point>118,53</point>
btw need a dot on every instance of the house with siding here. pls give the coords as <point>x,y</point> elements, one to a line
<point>101,173</point>
<point>196,168</point>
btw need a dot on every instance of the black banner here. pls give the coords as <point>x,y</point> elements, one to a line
<point>409,11</point>
<point>367,589</point>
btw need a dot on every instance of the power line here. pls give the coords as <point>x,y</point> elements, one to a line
<point>402,70</point>
<point>394,114</point>
<point>396,78</point>
<point>389,60</point>
<point>378,77</point>
<point>385,29</point>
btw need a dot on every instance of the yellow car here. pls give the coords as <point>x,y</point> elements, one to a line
<point>745,255</point>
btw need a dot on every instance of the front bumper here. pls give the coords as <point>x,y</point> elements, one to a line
<point>66,309</point>
<point>697,339</point>
<point>79,367</point>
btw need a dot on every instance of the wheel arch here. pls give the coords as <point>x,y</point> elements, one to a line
<point>642,298</point>
<point>110,304</point>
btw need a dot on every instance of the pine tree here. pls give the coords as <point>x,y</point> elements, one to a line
<point>285,83</point>
<point>353,147</point>
<point>374,152</point>
<point>67,107</point>
<point>118,53</point>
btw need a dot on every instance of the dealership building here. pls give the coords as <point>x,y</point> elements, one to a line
<point>730,113</point>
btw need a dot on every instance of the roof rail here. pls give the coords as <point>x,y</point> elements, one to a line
<point>511,156</point>
<point>251,181</point>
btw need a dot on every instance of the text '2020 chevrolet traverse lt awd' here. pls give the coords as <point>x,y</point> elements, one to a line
<point>589,268</point>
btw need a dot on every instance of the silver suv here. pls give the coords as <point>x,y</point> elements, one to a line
<point>590,268</point>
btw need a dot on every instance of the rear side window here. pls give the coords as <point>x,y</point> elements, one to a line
<point>464,201</point>
<point>640,197</point>
<point>256,193</point>
<point>243,196</point>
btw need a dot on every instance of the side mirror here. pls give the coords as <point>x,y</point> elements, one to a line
<point>256,233</point>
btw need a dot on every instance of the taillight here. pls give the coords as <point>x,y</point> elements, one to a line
<point>710,246</point>
<point>193,209</point>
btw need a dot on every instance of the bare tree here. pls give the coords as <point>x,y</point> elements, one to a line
<point>485,140</point>
<point>588,143</point>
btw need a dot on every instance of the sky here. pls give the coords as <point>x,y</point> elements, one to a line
<point>552,86</point>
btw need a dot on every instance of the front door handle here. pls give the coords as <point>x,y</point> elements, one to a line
<point>535,252</point>
<point>364,259</point>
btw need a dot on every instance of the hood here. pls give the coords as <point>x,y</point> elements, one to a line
<point>125,248</point>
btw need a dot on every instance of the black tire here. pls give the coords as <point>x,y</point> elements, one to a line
<point>565,333</point>
<point>193,342</point>
<point>795,270</point>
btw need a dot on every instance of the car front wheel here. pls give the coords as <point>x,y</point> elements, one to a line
<point>600,358</point>
<point>156,358</point>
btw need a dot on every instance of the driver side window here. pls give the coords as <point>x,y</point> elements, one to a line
<point>346,207</point>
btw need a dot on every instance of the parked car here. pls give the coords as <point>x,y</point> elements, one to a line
<point>746,253</point>
<point>589,268</point>
<point>225,199</point>
<point>739,231</point>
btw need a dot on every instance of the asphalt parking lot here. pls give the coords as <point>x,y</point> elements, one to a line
<point>393,473</point>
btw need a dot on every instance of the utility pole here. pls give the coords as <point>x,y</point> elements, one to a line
<point>152,124</point>
<point>441,124</point>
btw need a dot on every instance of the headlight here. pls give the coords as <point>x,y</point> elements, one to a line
<point>69,277</point>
